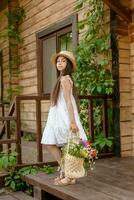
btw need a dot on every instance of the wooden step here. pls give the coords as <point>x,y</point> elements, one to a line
<point>21,196</point>
<point>80,191</point>
<point>16,196</point>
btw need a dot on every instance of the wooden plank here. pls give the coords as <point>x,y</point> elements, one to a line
<point>27,82</point>
<point>18,131</point>
<point>91,121</point>
<point>125,85</point>
<point>7,197</point>
<point>10,113</point>
<point>56,9</point>
<point>29,90</point>
<point>7,141</point>
<point>21,196</point>
<point>7,118</point>
<point>120,10</point>
<point>38,131</point>
<point>37,193</point>
<point>8,133</point>
<point>28,65</point>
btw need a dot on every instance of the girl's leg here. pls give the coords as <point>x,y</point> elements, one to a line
<point>56,152</point>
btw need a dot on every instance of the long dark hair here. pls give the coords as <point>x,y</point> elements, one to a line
<point>67,71</point>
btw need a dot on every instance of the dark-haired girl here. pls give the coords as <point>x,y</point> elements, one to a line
<point>63,115</point>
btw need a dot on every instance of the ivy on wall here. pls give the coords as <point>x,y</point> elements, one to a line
<point>14,16</point>
<point>93,75</point>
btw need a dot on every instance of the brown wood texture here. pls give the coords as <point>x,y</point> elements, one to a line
<point>18,131</point>
<point>7,197</point>
<point>7,141</point>
<point>21,196</point>
<point>120,10</point>
<point>125,82</point>
<point>111,179</point>
<point>10,113</point>
<point>16,196</point>
<point>38,131</point>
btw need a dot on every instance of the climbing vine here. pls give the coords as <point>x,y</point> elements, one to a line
<point>14,16</point>
<point>93,75</point>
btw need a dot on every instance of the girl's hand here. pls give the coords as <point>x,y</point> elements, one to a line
<point>74,128</point>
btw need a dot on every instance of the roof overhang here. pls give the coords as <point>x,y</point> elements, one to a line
<point>120,10</point>
<point>3,4</point>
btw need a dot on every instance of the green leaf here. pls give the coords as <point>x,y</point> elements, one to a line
<point>79,5</point>
<point>12,185</point>
<point>109,143</point>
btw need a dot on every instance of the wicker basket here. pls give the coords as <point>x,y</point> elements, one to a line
<point>73,167</point>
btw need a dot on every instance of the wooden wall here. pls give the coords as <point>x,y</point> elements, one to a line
<point>131,37</point>
<point>125,95</point>
<point>126,69</point>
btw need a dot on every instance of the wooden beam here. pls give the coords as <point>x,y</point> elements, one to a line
<point>3,4</point>
<point>7,141</point>
<point>119,9</point>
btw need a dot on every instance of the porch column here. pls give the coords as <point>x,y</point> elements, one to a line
<point>131,36</point>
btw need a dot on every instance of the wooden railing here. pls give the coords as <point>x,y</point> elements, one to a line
<point>2,106</point>
<point>10,113</point>
<point>17,117</point>
<point>90,100</point>
<point>38,100</point>
<point>105,129</point>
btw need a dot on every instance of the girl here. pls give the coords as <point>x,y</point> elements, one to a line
<point>63,115</point>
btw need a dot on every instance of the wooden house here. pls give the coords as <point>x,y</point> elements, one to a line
<point>50,26</point>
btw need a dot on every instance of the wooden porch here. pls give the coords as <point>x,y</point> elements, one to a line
<point>111,179</point>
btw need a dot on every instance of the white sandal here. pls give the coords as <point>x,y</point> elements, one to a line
<point>65,181</point>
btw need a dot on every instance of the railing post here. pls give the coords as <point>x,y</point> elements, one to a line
<point>105,118</point>
<point>3,111</point>
<point>8,133</point>
<point>91,120</point>
<point>18,131</point>
<point>38,130</point>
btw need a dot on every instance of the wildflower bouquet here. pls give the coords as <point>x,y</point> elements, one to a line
<point>79,157</point>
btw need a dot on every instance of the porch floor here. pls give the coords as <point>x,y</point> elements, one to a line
<point>111,179</point>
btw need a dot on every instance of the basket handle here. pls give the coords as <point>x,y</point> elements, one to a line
<point>69,138</point>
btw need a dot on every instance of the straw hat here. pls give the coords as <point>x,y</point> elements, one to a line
<point>66,54</point>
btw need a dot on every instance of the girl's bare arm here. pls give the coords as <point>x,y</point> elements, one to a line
<point>66,86</point>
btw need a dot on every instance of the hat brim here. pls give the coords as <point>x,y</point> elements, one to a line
<point>56,55</point>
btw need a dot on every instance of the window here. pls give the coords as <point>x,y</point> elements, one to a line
<point>63,36</point>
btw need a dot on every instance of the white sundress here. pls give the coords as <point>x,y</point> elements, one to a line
<point>58,122</point>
